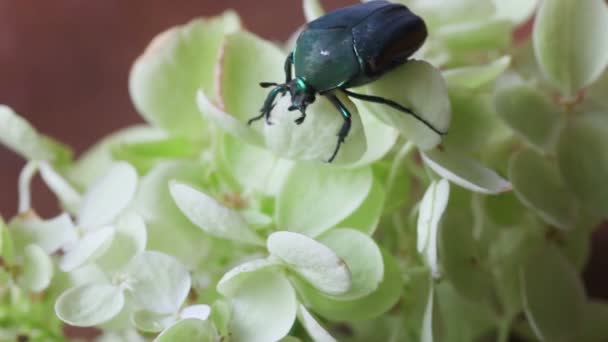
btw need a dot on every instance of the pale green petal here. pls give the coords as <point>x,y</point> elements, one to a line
<point>368,215</point>
<point>227,121</point>
<point>312,10</point>
<point>473,77</point>
<point>108,197</point>
<point>432,206</point>
<point>37,269</point>
<point>18,135</point>
<point>164,80</point>
<point>366,308</point>
<point>313,328</point>
<point>96,161</point>
<point>516,11</point>
<point>311,260</point>
<point>530,114</point>
<point>570,42</point>
<point>198,311</point>
<point>90,304</point>
<point>538,185</point>
<point>129,240</point>
<point>88,248</point>
<point>416,85</point>
<point>151,322</point>
<point>380,139</point>
<point>553,294</point>
<point>583,160</point>
<point>68,196</point>
<point>255,167</point>
<point>190,329</point>
<point>301,209</point>
<point>263,308</point>
<point>316,138</point>
<point>158,282</point>
<point>211,216</point>
<point>50,235</point>
<point>24,186</point>
<point>478,34</point>
<point>362,257</point>
<point>232,281</point>
<point>246,61</point>
<point>465,172</point>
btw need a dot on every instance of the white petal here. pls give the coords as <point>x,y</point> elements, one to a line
<point>433,205</point>
<point>200,311</point>
<point>108,196</point>
<point>313,328</point>
<point>25,182</point>
<point>69,197</point>
<point>312,260</point>
<point>90,246</point>
<point>90,304</point>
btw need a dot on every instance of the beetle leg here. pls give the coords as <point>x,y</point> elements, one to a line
<point>268,105</point>
<point>301,119</point>
<point>394,105</point>
<point>288,63</point>
<point>345,126</point>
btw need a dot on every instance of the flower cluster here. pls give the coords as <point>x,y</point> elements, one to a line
<point>199,227</point>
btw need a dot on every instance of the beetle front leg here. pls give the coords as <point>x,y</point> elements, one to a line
<point>268,105</point>
<point>288,64</point>
<point>345,126</point>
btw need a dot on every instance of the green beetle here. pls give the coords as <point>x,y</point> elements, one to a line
<point>347,48</point>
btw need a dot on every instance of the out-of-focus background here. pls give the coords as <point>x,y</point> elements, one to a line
<point>64,66</point>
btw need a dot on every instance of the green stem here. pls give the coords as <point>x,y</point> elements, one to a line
<point>504,330</point>
<point>398,163</point>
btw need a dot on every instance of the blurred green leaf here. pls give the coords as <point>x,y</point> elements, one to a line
<point>530,114</point>
<point>538,185</point>
<point>571,43</point>
<point>144,155</point>
<point>473,77</point>
<point>553,294</point>
<point>583,160</point>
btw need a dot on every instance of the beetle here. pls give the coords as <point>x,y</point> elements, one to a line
<point>346,48</point>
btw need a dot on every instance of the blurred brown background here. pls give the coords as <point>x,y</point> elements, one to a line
<point>64,63</point>
<point>64,66</point>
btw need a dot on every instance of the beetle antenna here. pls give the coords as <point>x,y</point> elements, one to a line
<point>268,84</point>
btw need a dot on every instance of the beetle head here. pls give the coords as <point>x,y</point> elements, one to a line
<point>301,95</point>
